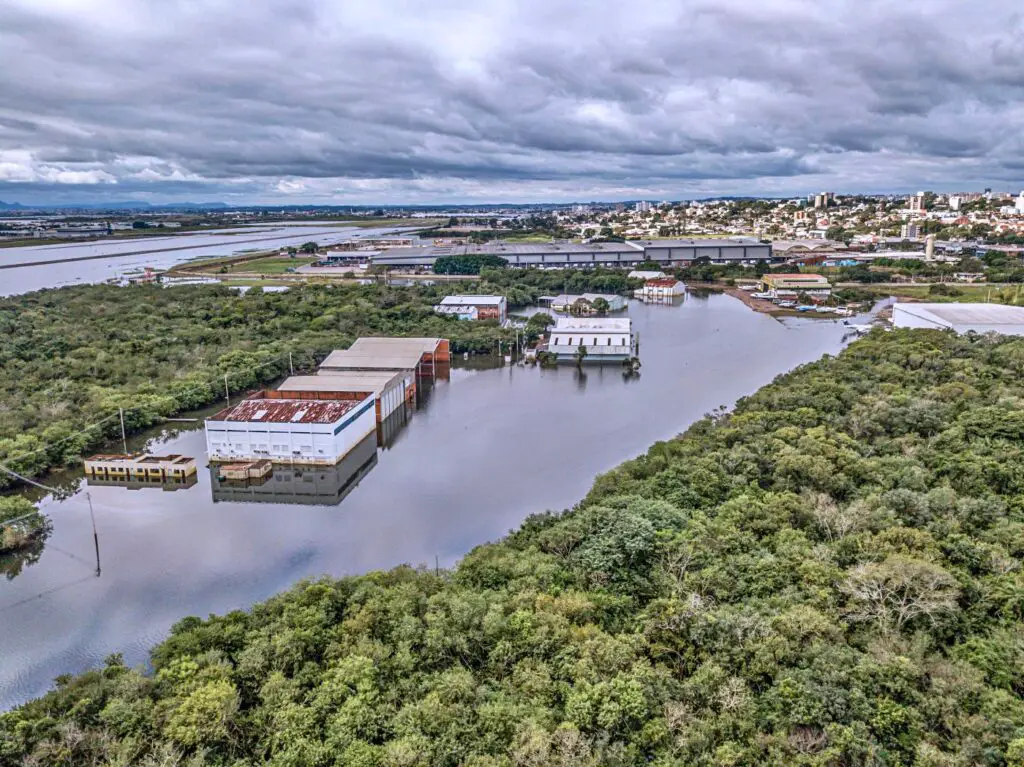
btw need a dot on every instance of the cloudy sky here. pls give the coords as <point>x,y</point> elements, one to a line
<point>422,101</point>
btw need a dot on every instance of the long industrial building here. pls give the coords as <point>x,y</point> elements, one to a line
<point>392,390</point>
<point>294,431</point>
<point>425,357</point>
<point>577,255</point>
<point>606,339</point>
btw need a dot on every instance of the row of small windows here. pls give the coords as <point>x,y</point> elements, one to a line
<point>583,341</point>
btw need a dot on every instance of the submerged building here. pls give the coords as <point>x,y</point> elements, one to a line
<point>306,485</point>
<point>661,287</point>
<point>566,302</point>
<point>299,431</point>
<point>428,358</point>
<point>474,307</point>
<point>605,339</point>
<point>391,390</point>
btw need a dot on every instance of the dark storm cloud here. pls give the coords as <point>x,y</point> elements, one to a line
<point>506,100</point>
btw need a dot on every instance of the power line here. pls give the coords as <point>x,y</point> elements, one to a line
<point>121,411</point>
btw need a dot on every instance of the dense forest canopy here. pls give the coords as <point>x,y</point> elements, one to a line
<point>829,575</point>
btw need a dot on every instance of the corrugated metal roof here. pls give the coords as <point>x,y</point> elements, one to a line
<point>347,360</point>
<point>667,282</point>
<point>287,411</point>
<point>329,381</point>
<point>378,345</point>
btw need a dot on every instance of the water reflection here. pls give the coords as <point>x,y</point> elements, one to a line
<point>307,485</point>
<point>152,483</point>
<point>14,563</point>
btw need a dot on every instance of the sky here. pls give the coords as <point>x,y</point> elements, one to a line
<point>449,101</point>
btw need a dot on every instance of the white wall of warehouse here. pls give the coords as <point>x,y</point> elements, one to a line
<point>306,443</point>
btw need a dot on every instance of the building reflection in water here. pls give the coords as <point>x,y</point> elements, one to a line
<point>309,485</point>
<point>142,483</point>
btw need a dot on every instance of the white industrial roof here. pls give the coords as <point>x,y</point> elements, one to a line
<point>333,381</point>
<point>382,360</point>
<point>381,345</point>
<point>644,275</point>
<point>965,314</point>
<point>472,300</point>
<point>608,324</point>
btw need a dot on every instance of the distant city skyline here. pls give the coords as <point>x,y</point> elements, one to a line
<point>311,102</point>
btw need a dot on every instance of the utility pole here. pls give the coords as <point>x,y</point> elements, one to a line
<point>291,368</point>
<point>227,392</point>
<point>95,535</point>
<point>124,438</point>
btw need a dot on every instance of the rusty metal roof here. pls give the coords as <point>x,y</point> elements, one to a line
<point>287,411</point>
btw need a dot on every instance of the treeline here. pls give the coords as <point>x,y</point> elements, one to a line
<point>73,356</point>
<point>468,264</point>
<point>523,287</point>
<point>829,575</point>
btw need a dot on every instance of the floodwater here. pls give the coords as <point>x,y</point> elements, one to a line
<point>489,447</point>
<point>161,253</point>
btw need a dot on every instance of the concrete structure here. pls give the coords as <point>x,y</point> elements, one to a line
<point>909,231</point>
<point>148,467</point>
<point>661,288</point>
<point>916,203</point>
<point>793,284</point>
<point>605,339</point>
<point>961,318</point>
<point>425,357</point>
<point>391,390</point>
<point>564,302</point>
<point>560,255</point>
<point>250,470</point>
<point>929,248</point>
<point>474,307</point>
<point>292,431</point>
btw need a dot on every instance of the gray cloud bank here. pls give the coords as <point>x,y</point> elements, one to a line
<point>413,101</point>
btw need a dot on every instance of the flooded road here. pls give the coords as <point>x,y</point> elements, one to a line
<point>489,448</point>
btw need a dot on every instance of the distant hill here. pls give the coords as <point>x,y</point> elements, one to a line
<point>11,205</point>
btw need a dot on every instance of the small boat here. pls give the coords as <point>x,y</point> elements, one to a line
<point>823,309</point>
<point>762,295</point>
<point>787,304</point>
<point>805,308</point>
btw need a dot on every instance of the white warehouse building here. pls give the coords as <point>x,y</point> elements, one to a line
<point>605,339</point>
<point>295,431</point>
<point>961,318</point>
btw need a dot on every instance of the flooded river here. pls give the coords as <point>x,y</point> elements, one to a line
<point>489,447</point>
<point>108,258</point>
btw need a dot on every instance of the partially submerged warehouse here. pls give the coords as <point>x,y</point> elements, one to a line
<point>428,358</point>
<point>318,419</point>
